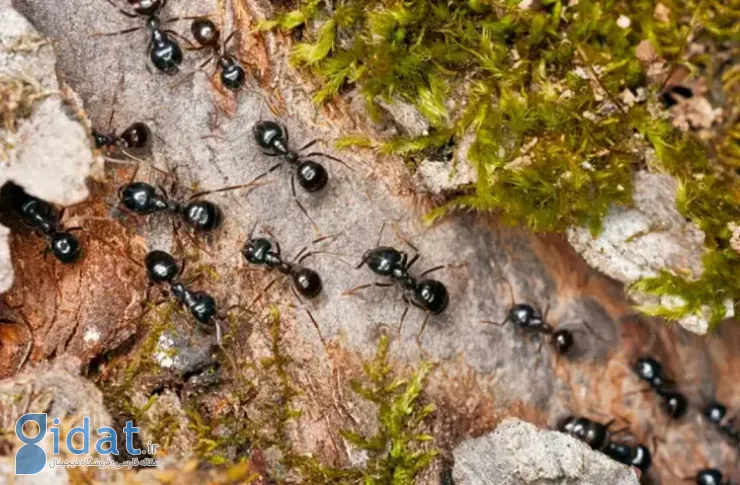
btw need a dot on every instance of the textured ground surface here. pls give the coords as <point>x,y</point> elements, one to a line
<point>486,373</point>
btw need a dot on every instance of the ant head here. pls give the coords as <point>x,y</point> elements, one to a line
<point>675,404</point>
<point>307,282</point>
<point>562,340</point>
<point>709,476</point>
<point>648,369</point>
<point>232,74</point>
<point>145,7</point>
<point>101,140</point>
<point>269,135</point>
<point>205,32</point>
<point>432,295</point>
<point>65,247</point>
<point>161,266</point>
<point>255,250</point>
<point>202,215</point>
<point>138,197</point>
<point>312,176</point>
<point>137,138</point>
<point>566,423</point>
<point>524,315</point>
<point>641,458</point>
<point>715,412</point>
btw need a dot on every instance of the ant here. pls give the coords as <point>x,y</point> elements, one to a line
<point>708,476</point>
<point>142,198</point>
<point>717,414</point>
<point>529,319</point>
<point>427,294</point>
<point>674,403</point>
<point>44,219</point>
<point>598,437</point>
<point>164,52</point>
<point>306,281</point>
<point>273,139</point>
<point>135,139</point>
<point>207,35</point>
<point>202,215</point>
<point>162,269</point>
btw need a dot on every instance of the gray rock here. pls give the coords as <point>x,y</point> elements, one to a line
<point>518,453</point>
<point>637,242</point>
<point>55,388</point>
<point>48,151</point>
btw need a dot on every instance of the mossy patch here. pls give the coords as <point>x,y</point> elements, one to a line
<point>543,93</point>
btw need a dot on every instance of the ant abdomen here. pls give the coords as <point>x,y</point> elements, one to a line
<point>312,176</point>
<point>432,295</point>
<point>307,282</point>
<point>161,267</point>
<point>202,215</point>
<point>205,32</point>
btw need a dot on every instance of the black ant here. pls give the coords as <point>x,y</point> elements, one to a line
<point>426,294</point>
<point>598,437</point>
<point>162,269</point>
<point>708,476</point>
<point>674,403</point>
<point>142,198</point>
<point>529,319</point>
<point>202,215</point>
<point>135,139</point>
<point>165,53</point>
<point>305,280</point>
<point>273,139</point>
<point>717,414</point>
<point>44,219</point>
<point>207,35</point>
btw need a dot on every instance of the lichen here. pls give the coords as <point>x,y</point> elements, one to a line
<point>541,90</point>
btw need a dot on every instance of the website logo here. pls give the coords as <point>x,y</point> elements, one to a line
<point>31,458</point>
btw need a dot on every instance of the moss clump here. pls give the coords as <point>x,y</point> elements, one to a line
<point>540,93</point>
<point>396,452</point>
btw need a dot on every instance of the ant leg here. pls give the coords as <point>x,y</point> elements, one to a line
<point>328,253</point>
<point>638,391</point>
<point>408,302</point>
<point>414,259</point>
<point>421,331</point>
<point>300,206</point>
<point>192,73</point>
<point>365,286</point>
<point>308,145</point>
<point>432,270</point>
<point>229,38</point>
<point>177,35</point>
<point>592,331</point>
<point>262,293</point>
<point>403,239</point>
<point>335,159</point>
<point>241,186</point>
<point>498,324</point>
<point>380,234</point>
<point>113,34</point>
<point>124,12</point>
<point>316,326</point>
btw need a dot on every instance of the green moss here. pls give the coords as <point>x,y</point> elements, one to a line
<point>396,452</point>
<point>538,93</point>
